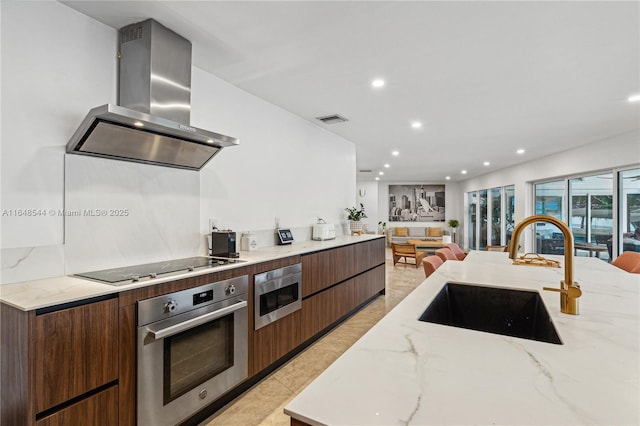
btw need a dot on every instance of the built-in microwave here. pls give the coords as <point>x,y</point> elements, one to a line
<point>277,293</point>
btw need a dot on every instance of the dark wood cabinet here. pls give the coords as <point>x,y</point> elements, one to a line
<point>325,308</point>
<point>75,351</point>
<point>56,361</point>
<point>96,410</point>
<point>368,284</point>
<point>273,341</point>
<point>326,268</point>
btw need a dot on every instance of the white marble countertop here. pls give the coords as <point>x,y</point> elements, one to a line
<point>29,295</point>
<point>407,372</point>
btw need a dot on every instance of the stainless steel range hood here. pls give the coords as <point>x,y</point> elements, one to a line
<point>151,124</point>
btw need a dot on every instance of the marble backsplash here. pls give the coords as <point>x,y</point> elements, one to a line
<point>122,213</point>
<point>31,263</point>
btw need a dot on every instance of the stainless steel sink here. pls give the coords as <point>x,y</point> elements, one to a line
<point>516,313</point>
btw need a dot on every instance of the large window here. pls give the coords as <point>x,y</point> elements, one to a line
<point>472,198</point>
<point>510,211</point>
<point>495,215</point>
<point>592,208</point>
<point>629,212</point>
<point>588,205</point>
<point>483,208</point>
<point>549,200</point>
<point>493,223</point>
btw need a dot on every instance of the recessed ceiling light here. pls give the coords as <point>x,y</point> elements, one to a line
<point>209,140</point>
<point>634,98</point>
<point>138,124</point>
<point>386,166</point>
<point>464,172</point>
<point>448,178</point>
<point>380,173</point>
<point>378,82</point>
<point>377,178</point>
<point>395,153</point>
<point>416,125</point>
<point>486,163</point>
<point>520,151</point>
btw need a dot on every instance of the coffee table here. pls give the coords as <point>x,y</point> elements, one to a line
<point>426,245</point>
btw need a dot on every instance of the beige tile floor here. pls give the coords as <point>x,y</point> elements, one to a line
<point>264,403</point>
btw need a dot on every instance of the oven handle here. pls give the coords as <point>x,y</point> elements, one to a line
<point>194,322</point>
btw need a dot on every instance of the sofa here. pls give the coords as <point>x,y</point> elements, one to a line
<point>431,235</point>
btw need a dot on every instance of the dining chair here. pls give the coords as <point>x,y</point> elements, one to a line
<point>430,264</point>
<point>446,254</point>
<point>455,248</point>
<point>628,261</point>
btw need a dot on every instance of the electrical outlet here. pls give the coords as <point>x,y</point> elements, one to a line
<point>213,224</point>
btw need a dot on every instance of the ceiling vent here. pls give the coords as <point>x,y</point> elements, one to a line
<point>332,119</point>
<point>364,171</point>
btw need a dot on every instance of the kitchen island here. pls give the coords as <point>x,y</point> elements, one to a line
<point>404,371</point>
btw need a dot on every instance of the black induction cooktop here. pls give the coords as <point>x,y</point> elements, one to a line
<point>131,274</point>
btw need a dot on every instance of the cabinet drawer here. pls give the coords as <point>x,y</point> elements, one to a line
<point>74,351</point>
<point>96,410</point>
<point>272,342</point>
<point>326,268</point>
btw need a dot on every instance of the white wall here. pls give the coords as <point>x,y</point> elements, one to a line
<point>616,152</point>
<point>368,196</point>
<point>284,167</point>
<point>56,65</point>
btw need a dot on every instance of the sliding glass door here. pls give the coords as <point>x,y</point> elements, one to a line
<point>490,217</point>
<point>472,198</point>
<point>591,214</point>
<point>602,211</point>
<point>510,211</point>
<point>629,212</point>
<point>495,216</point>
<point>482,236</point>
<point>549,200</point>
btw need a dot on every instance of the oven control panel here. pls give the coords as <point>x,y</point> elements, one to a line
<point>169,305</point>
<point>202,297</point>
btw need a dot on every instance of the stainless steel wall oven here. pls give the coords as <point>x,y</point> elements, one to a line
<point>277,294</point>
<point>192,348</point>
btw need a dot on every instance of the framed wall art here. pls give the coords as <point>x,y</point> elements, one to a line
<point>416,203</point>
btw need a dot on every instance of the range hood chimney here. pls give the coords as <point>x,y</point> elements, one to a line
<point>151,123</point>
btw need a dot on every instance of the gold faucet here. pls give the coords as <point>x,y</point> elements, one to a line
<point>569,291</point>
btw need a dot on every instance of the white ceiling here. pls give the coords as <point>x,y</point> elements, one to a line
<point>485,78</point>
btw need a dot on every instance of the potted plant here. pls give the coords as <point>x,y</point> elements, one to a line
<point>453,224</point>
<point>382,226</point>
<point>354,217</point>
